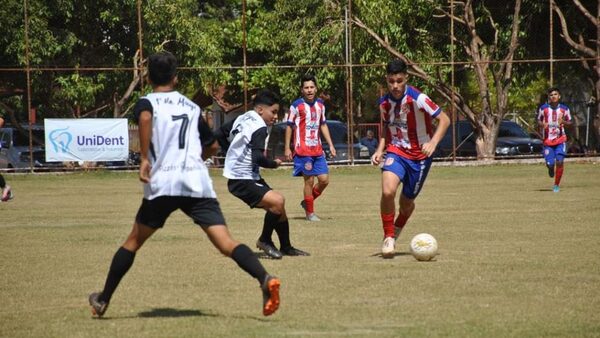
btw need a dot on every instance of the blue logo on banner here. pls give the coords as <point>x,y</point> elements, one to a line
<point>61,139</point>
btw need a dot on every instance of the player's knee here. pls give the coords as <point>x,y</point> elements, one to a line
<point>388,194</point>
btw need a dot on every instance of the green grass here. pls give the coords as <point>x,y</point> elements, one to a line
<point>515,259</point>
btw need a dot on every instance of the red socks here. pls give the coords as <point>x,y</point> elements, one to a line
<point>310,204</point>
<point>400,221</point>
<point>388,224</point>
<point>315,193</point>
<point>558,174</point>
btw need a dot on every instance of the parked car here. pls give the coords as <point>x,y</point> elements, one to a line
<point>15,147</point>
<point>512,141</point>
<point>339,137</point>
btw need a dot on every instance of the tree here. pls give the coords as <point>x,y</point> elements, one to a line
<point>490,38</point>
<point>586,44</point>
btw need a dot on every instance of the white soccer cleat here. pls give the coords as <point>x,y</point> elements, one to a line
<point>312,217</point>
<point>388,248</point>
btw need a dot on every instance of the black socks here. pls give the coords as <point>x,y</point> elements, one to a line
<point>245,259</point>
<point>121,263</point>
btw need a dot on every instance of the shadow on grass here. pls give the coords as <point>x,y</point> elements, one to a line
<point>173,313</point>
<point>378,254</point>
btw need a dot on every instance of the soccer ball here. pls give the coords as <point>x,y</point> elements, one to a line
<point>423,247</point>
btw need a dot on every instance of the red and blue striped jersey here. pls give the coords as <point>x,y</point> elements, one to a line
<point>407,122</point>
<point>306,120</point>
<point>554,133</point>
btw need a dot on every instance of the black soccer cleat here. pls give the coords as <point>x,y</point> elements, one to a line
<point>269,249</point>
<point>270,290</point>
<point>291,251</point>
<point>551,171</point>
<point>303,204</point>
<point>98,306</point>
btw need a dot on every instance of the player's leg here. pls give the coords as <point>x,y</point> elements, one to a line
<point>389,185</point>
<point>274,203</point>
<point>252,193</point>
<point>151,216</point>
<point>549,158</point>
<point>322,183</point>
<point>5,192</point>
<point>559,154</point>
<point>413,182</point>
<point>308,203</point>
<point>318,168</point>
<point>206,212</point>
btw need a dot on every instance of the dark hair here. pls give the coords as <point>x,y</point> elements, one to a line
<point>553,89</point>
<point>308,77</point>
<point>266,97</point>
<point>396,66</point>
<point>162,68</point>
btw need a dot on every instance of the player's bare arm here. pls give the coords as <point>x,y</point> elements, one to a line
<point>286,147</point>
<point>145,132</point>
<point>378,154</point>
<point>327,136</point>
<point>428,148</point>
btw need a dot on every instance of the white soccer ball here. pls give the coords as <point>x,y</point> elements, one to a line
<point>423,247</point>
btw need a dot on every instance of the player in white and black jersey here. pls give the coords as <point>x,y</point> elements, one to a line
<point>245,140</point>
<point>173,140</point>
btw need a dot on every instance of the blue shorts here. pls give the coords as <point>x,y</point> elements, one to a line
<point>412,174</point>
<point>310,165</point>
<point>555,153</point>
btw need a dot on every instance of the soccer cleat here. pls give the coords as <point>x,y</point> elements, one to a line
<point>269,249</point>
<point>303,204</point>
<point>270,289</point>
<point>397,231</point>
<point>387,250</point>
<point>98,306</point>
<point>6,193</point>
<point>551,171</point>
<point>291,251</point>
<point>556,188</point>
<point>312,217</point>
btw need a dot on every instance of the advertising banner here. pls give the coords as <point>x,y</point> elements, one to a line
<point>86,140</point>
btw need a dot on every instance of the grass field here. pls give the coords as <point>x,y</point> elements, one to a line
<point>515,260</point>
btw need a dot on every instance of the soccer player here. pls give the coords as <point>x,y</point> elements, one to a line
<point>5,191</point>
<point>552,117</point>
<point>173,140</point>
<point>245,139</point>
<point>307,119</point>
<point>406,115</point>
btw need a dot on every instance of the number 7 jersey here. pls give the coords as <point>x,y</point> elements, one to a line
<point>175,152</point>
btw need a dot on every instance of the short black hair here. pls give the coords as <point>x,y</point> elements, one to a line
<point>308,77</point>
<point>553,89</point>
<point>396,66</point>
<point>266,97</point>
<point>162,68</point>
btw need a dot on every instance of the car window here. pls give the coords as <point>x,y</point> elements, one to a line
<point>22,139</point>
<point>510,129</point>
<point>465,131</point>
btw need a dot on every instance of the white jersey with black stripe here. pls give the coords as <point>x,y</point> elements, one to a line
<point>176,149</point>
<point>238,161</point>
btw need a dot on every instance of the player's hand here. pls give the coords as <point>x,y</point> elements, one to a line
<point>278,161</point>
<point>428,148</point>
<point>376,158</point>
<point>332,151</point>
<point>144,171</point>
<point>288,154</point>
